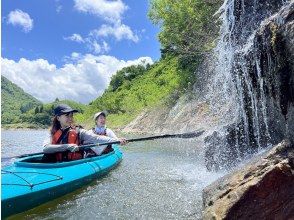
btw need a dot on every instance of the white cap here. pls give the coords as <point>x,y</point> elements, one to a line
<point>97,115</point>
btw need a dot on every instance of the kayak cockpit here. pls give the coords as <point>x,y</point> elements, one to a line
<point>37,162</point>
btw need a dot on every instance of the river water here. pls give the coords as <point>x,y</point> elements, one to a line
<point>160,179</point>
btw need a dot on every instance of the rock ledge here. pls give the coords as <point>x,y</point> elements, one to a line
<point>262,189</point>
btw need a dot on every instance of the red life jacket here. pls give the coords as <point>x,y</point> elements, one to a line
<point>68,136</point>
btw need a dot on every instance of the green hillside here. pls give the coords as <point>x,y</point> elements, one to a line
<point>14,102</point>
<point>21,110</point>
<point>137,88</point>
<point>42,115</point>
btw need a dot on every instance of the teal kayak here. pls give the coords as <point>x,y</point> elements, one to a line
<point>28,183</point>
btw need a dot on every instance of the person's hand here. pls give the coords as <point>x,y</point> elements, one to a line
<point>73,147</point>
<point>123,141</point>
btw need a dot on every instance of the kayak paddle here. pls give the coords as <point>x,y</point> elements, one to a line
<point>83,147</point>
<point>183,135</point>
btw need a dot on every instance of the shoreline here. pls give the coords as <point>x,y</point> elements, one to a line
<point>23,127</point>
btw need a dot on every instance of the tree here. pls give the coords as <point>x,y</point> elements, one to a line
<point>37,110</point>
<point>26,107</point>
<point>41,108</point>
<point>126,74</point>
<point>187,26</point>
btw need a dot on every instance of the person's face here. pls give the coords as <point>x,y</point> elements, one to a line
<point>65,119</point>
<point>101,120</point>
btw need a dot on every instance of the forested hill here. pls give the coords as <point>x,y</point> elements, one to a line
<point>14,102</point>
<point>21,110</point>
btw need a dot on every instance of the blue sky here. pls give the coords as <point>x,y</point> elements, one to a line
<point>54,43</point>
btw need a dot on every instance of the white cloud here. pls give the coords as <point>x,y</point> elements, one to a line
<point>118,30</point>
<point>97,48</point>
<point>91,43</point>
<point>105,46</point>
<point>108,10</point>
<point>73,58</point>
<point>75,55</point>
<point>20,18</point>
<point>82,81</point>
<point>75,37</point>
<point>58,8</point>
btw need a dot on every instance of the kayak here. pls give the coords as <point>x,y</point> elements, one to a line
<point>28,182</point>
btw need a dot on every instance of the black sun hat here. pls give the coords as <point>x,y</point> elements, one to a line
<point>63,109</point>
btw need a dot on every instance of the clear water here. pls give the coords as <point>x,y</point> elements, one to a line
<point>18,142</point>
<point>155,180</point>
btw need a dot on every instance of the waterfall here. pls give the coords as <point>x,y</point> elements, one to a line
<point>244,59</point>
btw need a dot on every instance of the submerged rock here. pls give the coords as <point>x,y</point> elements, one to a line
<point>262,189</point>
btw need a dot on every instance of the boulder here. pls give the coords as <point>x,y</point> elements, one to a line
<point>262,189</point>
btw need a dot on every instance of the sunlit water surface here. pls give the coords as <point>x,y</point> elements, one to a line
<point>155,180</point>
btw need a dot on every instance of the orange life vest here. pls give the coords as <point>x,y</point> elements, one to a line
<point>68,136</point>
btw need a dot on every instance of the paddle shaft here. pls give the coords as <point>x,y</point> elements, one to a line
<point>184,135</point>
<point>87,146</point>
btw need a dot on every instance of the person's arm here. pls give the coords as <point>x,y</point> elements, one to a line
<point>88,137</point>
<point>54,148</point>
<point>111,134</point>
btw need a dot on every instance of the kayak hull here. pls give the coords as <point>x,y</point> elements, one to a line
<point>27,185</point>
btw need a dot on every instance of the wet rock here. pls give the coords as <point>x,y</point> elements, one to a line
<point>264,70</point>
<point>221,150</point>
<point>262,189</point>
<point>275,44</point>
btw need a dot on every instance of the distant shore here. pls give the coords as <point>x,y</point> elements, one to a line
<point>23,127</point>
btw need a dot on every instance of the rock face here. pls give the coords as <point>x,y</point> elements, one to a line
<point>263,189</point>
<point>261,78</point>
<point>189,113</point>
<point>274,42</point>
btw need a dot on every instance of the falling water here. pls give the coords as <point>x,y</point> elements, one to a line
<point>240,77</point>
